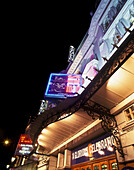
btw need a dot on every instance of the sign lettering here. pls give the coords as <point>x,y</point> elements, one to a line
<point>63,85</point>
<point>104,146</point>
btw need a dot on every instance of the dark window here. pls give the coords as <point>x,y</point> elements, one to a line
<point>88,168</point>
<point>96,167</point>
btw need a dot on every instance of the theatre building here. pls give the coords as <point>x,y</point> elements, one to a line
<point>86,120</point>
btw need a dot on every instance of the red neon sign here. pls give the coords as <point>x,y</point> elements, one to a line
<point>73,84</point>
<point>25,145</point>
<point>25,139</point>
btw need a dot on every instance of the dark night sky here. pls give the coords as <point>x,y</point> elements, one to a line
<point>35,42</point>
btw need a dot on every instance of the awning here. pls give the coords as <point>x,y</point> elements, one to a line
<point>102,90</point>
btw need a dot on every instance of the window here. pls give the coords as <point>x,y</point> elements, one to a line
<point>104,166</point>
<point>114,166</point>
<point>88,168</point>
<point>96,167</point>
<point>129,112</point>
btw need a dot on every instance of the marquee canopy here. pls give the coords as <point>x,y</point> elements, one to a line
<point>112,85</point>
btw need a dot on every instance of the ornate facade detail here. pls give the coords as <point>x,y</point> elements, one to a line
<point>71,105</point>
<point>108,122</point>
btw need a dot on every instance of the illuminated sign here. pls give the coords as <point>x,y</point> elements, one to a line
<point>43,106</point>
<point>63,85</point>
<point>103,146</point>
<point>24,146</point>
<point>71,54</point>
<point>25,139</point>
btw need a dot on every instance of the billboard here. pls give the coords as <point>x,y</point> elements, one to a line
<point>24,146</point>
<point>63,85</point>
<point>100,147</point>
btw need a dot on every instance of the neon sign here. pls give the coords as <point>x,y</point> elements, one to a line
<point>24,146</point>
<point>25,139</point>
<point>71,54</point>
<point>63,85</point>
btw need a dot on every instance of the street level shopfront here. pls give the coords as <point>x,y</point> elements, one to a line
<point>96,154</point>
<point>106,163</point>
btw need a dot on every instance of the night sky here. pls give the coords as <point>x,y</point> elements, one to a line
<point>35,42</point>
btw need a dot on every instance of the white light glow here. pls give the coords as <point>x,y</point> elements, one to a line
<point>78,134</point>
<point>13,159</point>
<point>114,79</point>
<point>110,148</point>
<point>86,152</point>
<point>44,131</point>
<point>7,166</point>
<point>40,138</point>
<point>101,152</point>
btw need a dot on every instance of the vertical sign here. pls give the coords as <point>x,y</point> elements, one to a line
<point>24,146</point>
<point>71,54</point>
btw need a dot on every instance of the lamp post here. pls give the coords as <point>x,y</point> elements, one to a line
<point>6,142</point>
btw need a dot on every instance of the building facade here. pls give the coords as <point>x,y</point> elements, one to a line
<point>93,129</point>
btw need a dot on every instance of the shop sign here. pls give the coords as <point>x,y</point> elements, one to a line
<point>63,85</point>
<point>103,146</point>
<point>24,146</point>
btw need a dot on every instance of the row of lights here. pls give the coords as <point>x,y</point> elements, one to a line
<point>101,152</point>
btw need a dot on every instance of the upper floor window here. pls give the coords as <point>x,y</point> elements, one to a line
<point>129,112</point>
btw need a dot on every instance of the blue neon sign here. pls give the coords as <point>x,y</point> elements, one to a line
<point>63,85</point>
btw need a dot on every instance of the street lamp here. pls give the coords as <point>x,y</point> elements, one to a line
<point>7,166</point>
<point>6,142</point>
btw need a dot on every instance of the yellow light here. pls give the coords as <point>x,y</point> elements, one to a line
<point>6,142</point>
<point>13,159</point>
<point>7,166</point>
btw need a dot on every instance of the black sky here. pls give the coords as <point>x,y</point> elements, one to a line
<point>35,41</point>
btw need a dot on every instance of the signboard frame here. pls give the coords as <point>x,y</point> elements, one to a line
<point>63,85</point>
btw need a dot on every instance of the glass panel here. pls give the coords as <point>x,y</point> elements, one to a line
<point>96,167</point>
<point>88,168</point>
<point>114,166</point>
<point>104,166</point>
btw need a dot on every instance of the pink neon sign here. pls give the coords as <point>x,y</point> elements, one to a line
<point>63,85</point>
<point>73,84</point>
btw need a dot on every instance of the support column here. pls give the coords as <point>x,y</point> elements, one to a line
<point>67,159</point>
<point>52,163</point>
<point>60,162</point>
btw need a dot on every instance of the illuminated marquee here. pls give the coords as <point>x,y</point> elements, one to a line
<point>103,146</point>
<point>63,85</point>
<point>24,146</point>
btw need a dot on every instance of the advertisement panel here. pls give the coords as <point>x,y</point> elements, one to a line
<point>24,146</point>
<point>100,147</point>
<point>63,85</point>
